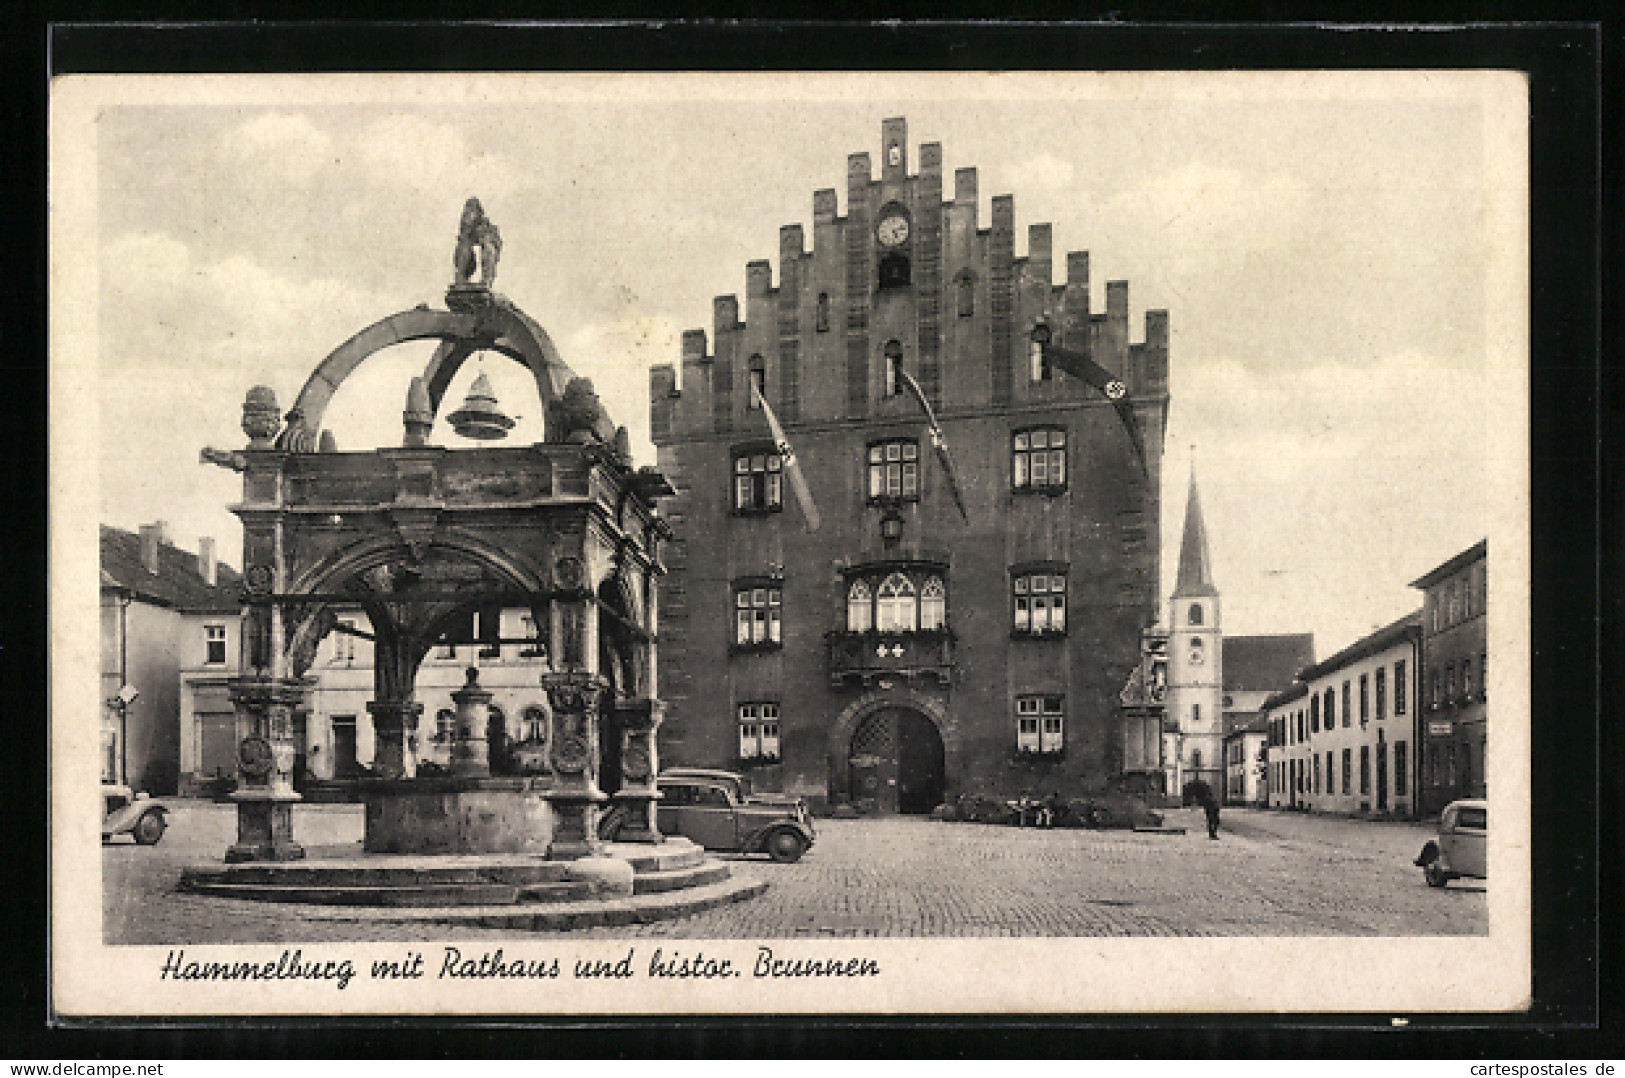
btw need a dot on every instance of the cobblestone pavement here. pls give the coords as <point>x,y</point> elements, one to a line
<point>1271,874</point>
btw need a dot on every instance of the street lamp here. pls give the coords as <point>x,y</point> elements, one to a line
<point>124,698</point>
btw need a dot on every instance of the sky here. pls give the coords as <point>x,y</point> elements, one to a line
<point>1333,251</point>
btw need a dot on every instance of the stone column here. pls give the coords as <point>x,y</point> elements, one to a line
<point>576,697</point>
<point>640,763</point>
<point>470,752</point>
<point>392,721</point>
<point>265,759</point>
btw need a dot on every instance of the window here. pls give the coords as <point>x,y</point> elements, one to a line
<point>894,471</point>
<point>756,617</point>
<point>1433,687</point>
<point>1314,714</point>
<point>1039,459</point>
<point>933,604</point>
<point>966,285</point>
<point>860,600</point>
<point>893,368</point>
<point>1038,364</point>
<point>1347,710</point>
<point>1039,724</point>
<point>1348,771</point>
<point>533,724</point>
<point>758,382</point>
<point>1484,673</point>
<point>214,645</point>
<point>1449,682</point>
<point>898,602</point>
<point>533,646</point>
<point>759,732</point>
<point>1039,603</point>
<point>1400,787</point>
<point>1399,689</point>
<point>489,622</point>
<point>1365,698</point>
<point>1196,718</point>
<point>821,317</point>
<point>444,724</point>
<point>758,482</point>
<point>1331,781</point>
<point>895,608</point>
<point>1365,770</point>
<point>1317,773</point>
<point>1382,693</point>
<point>1194,616</point>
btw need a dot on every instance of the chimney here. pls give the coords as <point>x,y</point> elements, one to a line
<point>151,536</point>
<point>205,560</point>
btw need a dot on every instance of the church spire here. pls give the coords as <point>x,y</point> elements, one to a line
<point>1195,567</point>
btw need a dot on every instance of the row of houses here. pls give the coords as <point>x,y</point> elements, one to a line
<point>1395,723</point>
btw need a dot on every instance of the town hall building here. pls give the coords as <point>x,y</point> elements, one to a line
<point>911,633</point>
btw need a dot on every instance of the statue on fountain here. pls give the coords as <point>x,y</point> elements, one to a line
<point>478,243</point>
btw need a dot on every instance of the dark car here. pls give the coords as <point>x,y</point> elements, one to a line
<point>717,810</point>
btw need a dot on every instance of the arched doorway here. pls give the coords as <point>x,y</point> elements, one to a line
<point>895,760</point>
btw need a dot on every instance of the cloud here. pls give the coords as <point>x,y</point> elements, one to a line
<point>411,152</point>
<point>1046,172</point>
<point>280,145</point>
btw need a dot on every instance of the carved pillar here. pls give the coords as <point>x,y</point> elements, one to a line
<point>576,698</point>
<point>265,759</point>
<point>393,721</point>
<point>470,752</point>
<point>640,763</point>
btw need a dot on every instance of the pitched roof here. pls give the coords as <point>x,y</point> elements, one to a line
<point>177,582</point>
<point>1265,663</point>
<point>1195,568</point>
<point>1386,637</point>
<point>1476,552</point>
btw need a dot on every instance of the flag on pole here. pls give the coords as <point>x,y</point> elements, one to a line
<point>787,458</point>
<point>938,442</point>
<point>1081,366</point>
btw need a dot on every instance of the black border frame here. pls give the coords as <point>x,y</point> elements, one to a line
<point>1573,469</point>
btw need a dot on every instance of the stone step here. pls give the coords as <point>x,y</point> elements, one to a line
<point>596,913</point>
<point>433,895</point>
<point>677,879</point>
<point>357,874</point>
<point>661,859</point>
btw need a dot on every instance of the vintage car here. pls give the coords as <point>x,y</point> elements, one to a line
<point>717,810</point>
<point>134,814</point>
<point>1459,850</point>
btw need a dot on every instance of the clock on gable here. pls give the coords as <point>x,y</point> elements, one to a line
<point>892,227</point>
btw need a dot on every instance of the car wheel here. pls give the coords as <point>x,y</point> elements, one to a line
<point>149,829</point>
<point>1434,874</point>
<point>785,847</point>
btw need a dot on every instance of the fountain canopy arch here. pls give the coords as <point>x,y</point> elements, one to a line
<point>414,532</point>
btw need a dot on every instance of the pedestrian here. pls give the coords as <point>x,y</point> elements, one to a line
<point>1202,794</point>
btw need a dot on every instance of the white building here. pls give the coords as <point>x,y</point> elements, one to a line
<point>1344,738</point>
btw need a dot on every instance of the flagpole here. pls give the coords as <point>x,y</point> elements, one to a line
<point>787,458</point>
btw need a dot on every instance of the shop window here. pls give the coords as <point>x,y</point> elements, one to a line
<point>757,617</point>
<point>214,645</point>
<point>1401,788</point>
<point>1040,724</point>
<point>759,732</point>
<point>1399,687</point>
<point>1039,603</point>
<point>758,482</point>
<point>1038,460</point>
<point>894,471</point>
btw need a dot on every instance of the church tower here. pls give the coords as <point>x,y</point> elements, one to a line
<point>1195,661</point>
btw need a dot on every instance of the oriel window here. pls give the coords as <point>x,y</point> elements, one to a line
<point>895,609</point>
